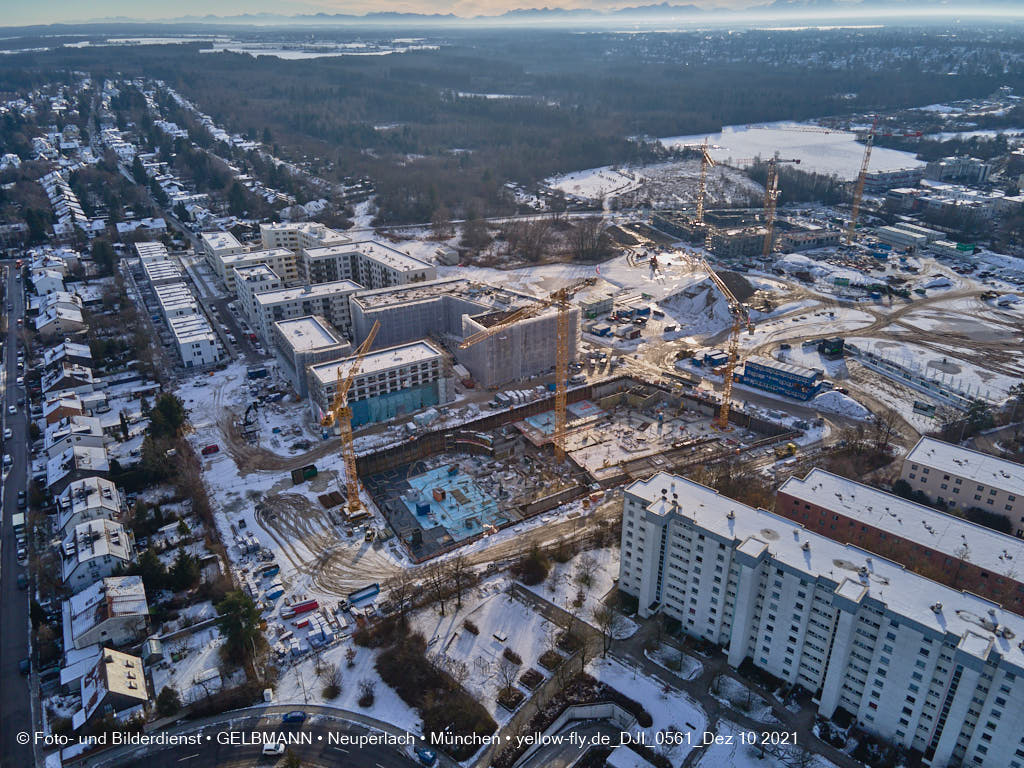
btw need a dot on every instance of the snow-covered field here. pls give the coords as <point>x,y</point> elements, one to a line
<point>597,183</point>
<point>566,581</point>
<point>503,623</point>
<point>670,709</point>
<point>834,152</point>
<point>731,752</point>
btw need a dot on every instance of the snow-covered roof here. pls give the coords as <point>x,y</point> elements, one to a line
<point>109,598</point>
<point>971,465</point>
<point>89,493</point>
<point>390,257</point>
<point>116,673</point>
<point>217,241</point>
<point>85,458</point>
<point>54,354</point>
<point>377,362</point>
<point>317,290</point>
<point>951,535</point>
<point>94,539</point>
<point>305,334</point>
<point>76,424</point>
<point>933,607</point>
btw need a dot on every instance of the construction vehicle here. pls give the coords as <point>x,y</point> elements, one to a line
<point>858,191</point>
<point>339,415</point>
<point>562,301</point>
<point>785,451</point>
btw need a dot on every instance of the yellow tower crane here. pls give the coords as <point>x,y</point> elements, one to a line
<point>340,415</point>
<point>858,191</point>
<point>706,162</point>
<point>771,198</point>
<point>739,319</point>
<point>562,301</point>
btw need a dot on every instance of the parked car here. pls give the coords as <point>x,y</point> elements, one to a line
<point>295,716</point>
<point>273,748</point>
<point>210,450</point>
<point>8,433</point>
<point>427,757</point>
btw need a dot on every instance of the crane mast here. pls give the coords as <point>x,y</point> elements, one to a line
<point>561,300</point>
<point>858,191</point>
<point>706,161</point>
<point>339,415</point>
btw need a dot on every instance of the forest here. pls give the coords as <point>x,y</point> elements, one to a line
<point>448,127</point>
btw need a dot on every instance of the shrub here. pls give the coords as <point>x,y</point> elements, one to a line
<point>440,700</point>
<point>533,567</point>
<point>531,678</point>
<point>510,698</point>
<point>168,702</point>
<point>472,628</point>
<point>567,641</point>
<point>367,693</point>
<point>551,659</point>
<point>512,656</point>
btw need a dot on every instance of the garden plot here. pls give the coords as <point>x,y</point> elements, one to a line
<point>733,693</point>
<point>730,751</point>
<point>589,575</point>
<point>479,661</point>
<point>192,665</point>
<point>678,663</point>
<point>671,710</point>
<point>300,684</point>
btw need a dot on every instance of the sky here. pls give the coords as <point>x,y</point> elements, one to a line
<point>21,12</point>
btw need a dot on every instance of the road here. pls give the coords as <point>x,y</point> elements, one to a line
<point>217,750</point>
<point>15,703</point>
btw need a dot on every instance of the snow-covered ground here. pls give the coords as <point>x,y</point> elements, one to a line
<point>670,709</point>
<point>566,581</point>
<point>503,623</point>
<point>192,665</point>
<point>597,183</point>
<point>833,152</point>
<point>299,684</point>
<point>678,663</point>
<point>731,751</point>
<point>734,694</point>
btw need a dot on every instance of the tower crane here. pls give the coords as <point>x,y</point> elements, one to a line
<point>340,415</point>
<point>562,301</point>
<point>771,197</point>
<point>858,191</point>
<point>706,161</point>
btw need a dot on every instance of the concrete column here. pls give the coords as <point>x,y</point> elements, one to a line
<point>746,599</point>
<point>843,639</point>
<point>955,719</point>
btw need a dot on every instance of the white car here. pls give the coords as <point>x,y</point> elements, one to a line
<point>273,748</point>
<point>20,381</point>
<point>8,433</point>
<point>12,409</point>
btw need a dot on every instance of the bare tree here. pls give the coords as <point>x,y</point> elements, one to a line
<point>460,575</point>
<point>589,241</point>
<point>586,569</point>
<point>608,622</point>
<point>507,673</point>
<point>437,576</point>
<point>400,591</point>
<point>458,670</point>
<point>482,665</point>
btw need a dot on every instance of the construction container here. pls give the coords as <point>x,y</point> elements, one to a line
<point>274,591</point>
<point>439,494</point>
<point>423,508</point>
<point>271,570</point>
<point>364,593</point>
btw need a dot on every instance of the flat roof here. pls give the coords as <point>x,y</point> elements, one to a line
<point>986,548</point>
<point>778,365</point>
<point>219,240</point>
<point>969,464</point>
<point>252,258</point>
<point>376,362</point>
<point>316,290</point>
<point>901,591</point>
<point>191,328</point>
<point>391,257</point>
<point>305,334</point>
<point>256,270</point>
<point>487,297</point>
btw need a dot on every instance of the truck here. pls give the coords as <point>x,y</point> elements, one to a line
<point>364,593</point>
<point>784,451</point>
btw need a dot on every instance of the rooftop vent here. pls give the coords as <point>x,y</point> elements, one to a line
<point>936,607</point>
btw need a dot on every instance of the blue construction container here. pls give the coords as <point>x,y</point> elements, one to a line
<point>422,508</point>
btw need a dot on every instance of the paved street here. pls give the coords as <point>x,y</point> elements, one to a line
<point>15,709</point>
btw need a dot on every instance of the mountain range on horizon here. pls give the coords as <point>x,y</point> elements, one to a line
<point>546,13</point>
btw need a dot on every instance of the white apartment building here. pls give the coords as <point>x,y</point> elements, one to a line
<point>94,550</point>
<point>282,261</point>
<point>306,341</point>
<point>299,235</point>
<point>250,281</point>
<point>196,342</point>
<point>921,664</point>
<point>329,300</point>
<point>216,245</point>
<point>391,382</point>
<point>161,271</point>
<point>175,300</point>
<point>151,251</point>
<point>370,263</point>
<point>962,479</point>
